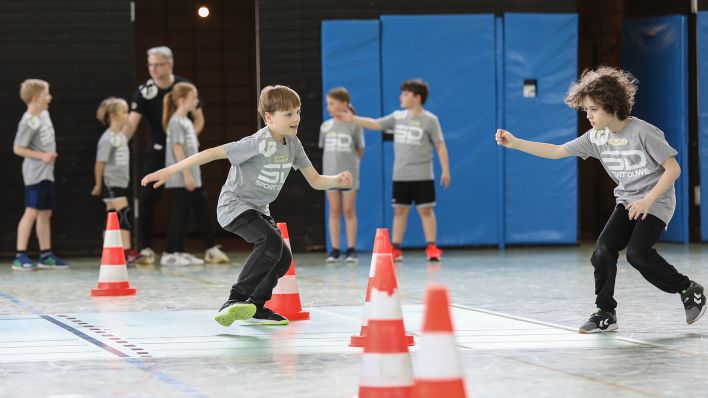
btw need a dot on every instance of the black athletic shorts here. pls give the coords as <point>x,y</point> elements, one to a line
<point>420,192</point>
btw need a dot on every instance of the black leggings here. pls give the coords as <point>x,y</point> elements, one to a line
<point>638,236</point>
<point>149,197</point>
<point>182,202</point>
<point>269,260</point>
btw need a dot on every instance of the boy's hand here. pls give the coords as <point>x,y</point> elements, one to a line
<point>48,157</point>
<point>345,179</point>
<point>96,191</point>
<point>159,177</point>
<point>445,180</point>
<point>189,184</point>
<point>639,208</point>
<point>345,117</point>
<point>505,138</point>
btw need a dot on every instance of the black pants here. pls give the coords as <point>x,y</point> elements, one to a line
<point>638,236</point>
<point>182,201</point>
<point>149,197</point>
<point>269,260</point>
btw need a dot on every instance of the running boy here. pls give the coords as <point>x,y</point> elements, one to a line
<point>35,142</point>
<point>343,145</point>
<point>112,168</point>
<point>260,163</point>
<point>637,157</point>
<point>417,131</point>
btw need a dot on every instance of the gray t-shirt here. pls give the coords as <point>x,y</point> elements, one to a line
<point>37,134</point>
<point>259,167</point>
<point>113,150</point>
<point>632,157</point>
<point>180,130</point>
<point>341,142</point>
<point>414,138</point>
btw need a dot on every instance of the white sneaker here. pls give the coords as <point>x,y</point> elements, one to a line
<point>148,257</point>
<point>214,255</point>
<point>173,259</point>
<point>191,259</point>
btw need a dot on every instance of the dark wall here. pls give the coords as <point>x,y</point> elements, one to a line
<point>289,40</point>
<point>218,54</point>
<point>86,53</point>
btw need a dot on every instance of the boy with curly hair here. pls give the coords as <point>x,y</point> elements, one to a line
<point>637,157</point>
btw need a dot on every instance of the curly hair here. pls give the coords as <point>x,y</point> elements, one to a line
<point>613,89</point>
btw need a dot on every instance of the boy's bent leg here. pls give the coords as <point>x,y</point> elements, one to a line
<point>24,228</point>
<point>613,238</point>
<point>427,218</point>
<point>44,229</point>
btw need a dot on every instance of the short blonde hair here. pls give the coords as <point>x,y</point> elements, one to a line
<point>31,88</point>
<point>162,51</point>
<point>277,98</point>
<point>108,107</point>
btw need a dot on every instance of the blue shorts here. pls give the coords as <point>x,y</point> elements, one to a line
<point>40,196</point>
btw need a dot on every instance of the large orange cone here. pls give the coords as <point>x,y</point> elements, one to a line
<point>386,369</point>
<point>113,276</point>
<point>437,365</point>
<point>381,254</point>
<point>286,297</point>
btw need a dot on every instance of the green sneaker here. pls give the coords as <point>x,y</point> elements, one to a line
<point>23,263</point>
<point>51,261</point>
<point>233,310</point>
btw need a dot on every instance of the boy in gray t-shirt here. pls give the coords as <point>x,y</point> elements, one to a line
<point>637,157</point>
<point>260,163</point>
<point>416,133</point>
<point>35,142</point>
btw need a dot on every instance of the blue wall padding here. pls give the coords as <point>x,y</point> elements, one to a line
<point>702,28</point>
<point>540,195</point>
<point>350,58</point>
<point>501,151</point>
<point>455,55</point>
<point>654,50</point>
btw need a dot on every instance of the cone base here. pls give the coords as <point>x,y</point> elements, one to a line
<point>387,392</point>
<point>128,291</point>
<point>440,388</point>
<point>296,316</point>
<point>359,341</point>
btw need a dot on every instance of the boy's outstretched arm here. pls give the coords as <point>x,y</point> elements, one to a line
<point>317,181</point>
<point>365,122</point>
<point>540,149</point>
<point>444,163</point>
<point>161,176</point>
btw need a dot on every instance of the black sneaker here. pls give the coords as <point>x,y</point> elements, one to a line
<point>333,256</point>
<point>351,256</point>
<point>266,316</point>
<point>600,321</point>
<point>233,310</point>
<point>694,302</point>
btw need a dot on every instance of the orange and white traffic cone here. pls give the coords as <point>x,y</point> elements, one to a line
<point>382,253</point>
<point>113,276</point>
<point>437,365</point>
<point>286,297</point>
<point>386,369</point>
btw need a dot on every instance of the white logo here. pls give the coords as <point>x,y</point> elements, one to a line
<point>628,160</point>
<point>267,148</point>
<point>149,90</point>
<point>600,137</point>
<point>33,122</point>
<point>408,135</point>
<point>338,142</point>
<point>273,176</point>
<point>46,134</point>
<point>697,298</point>
<point>604,323</point>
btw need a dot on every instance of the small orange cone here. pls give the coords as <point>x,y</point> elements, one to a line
<point>382,253</point>
<point>437,365</point>
<point>113,276</point>
<point>386,369</point>
<point>286,297</point>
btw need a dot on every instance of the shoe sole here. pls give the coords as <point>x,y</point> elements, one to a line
<point>267,322</point>
<point>352,260</point>
<point>703,311</point>
<point>611,328</point>
<point>57,267</point>
<point>236,312</point>
<point>22,269</point>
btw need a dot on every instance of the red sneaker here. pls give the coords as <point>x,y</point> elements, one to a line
<point>397,255</point>
<point>132,256</point>
<point>433,252</point>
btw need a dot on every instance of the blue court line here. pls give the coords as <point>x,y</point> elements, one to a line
<point>133,361</point>
<point>85,336</point>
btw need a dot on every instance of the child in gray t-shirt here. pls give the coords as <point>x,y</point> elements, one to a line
<point>637,157</point>
<point>416,133</point>
<point>260,163</point>
<point>343,145</point>
<point>185,187</point>
<point>112,168</point>
<point>35,142</point>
